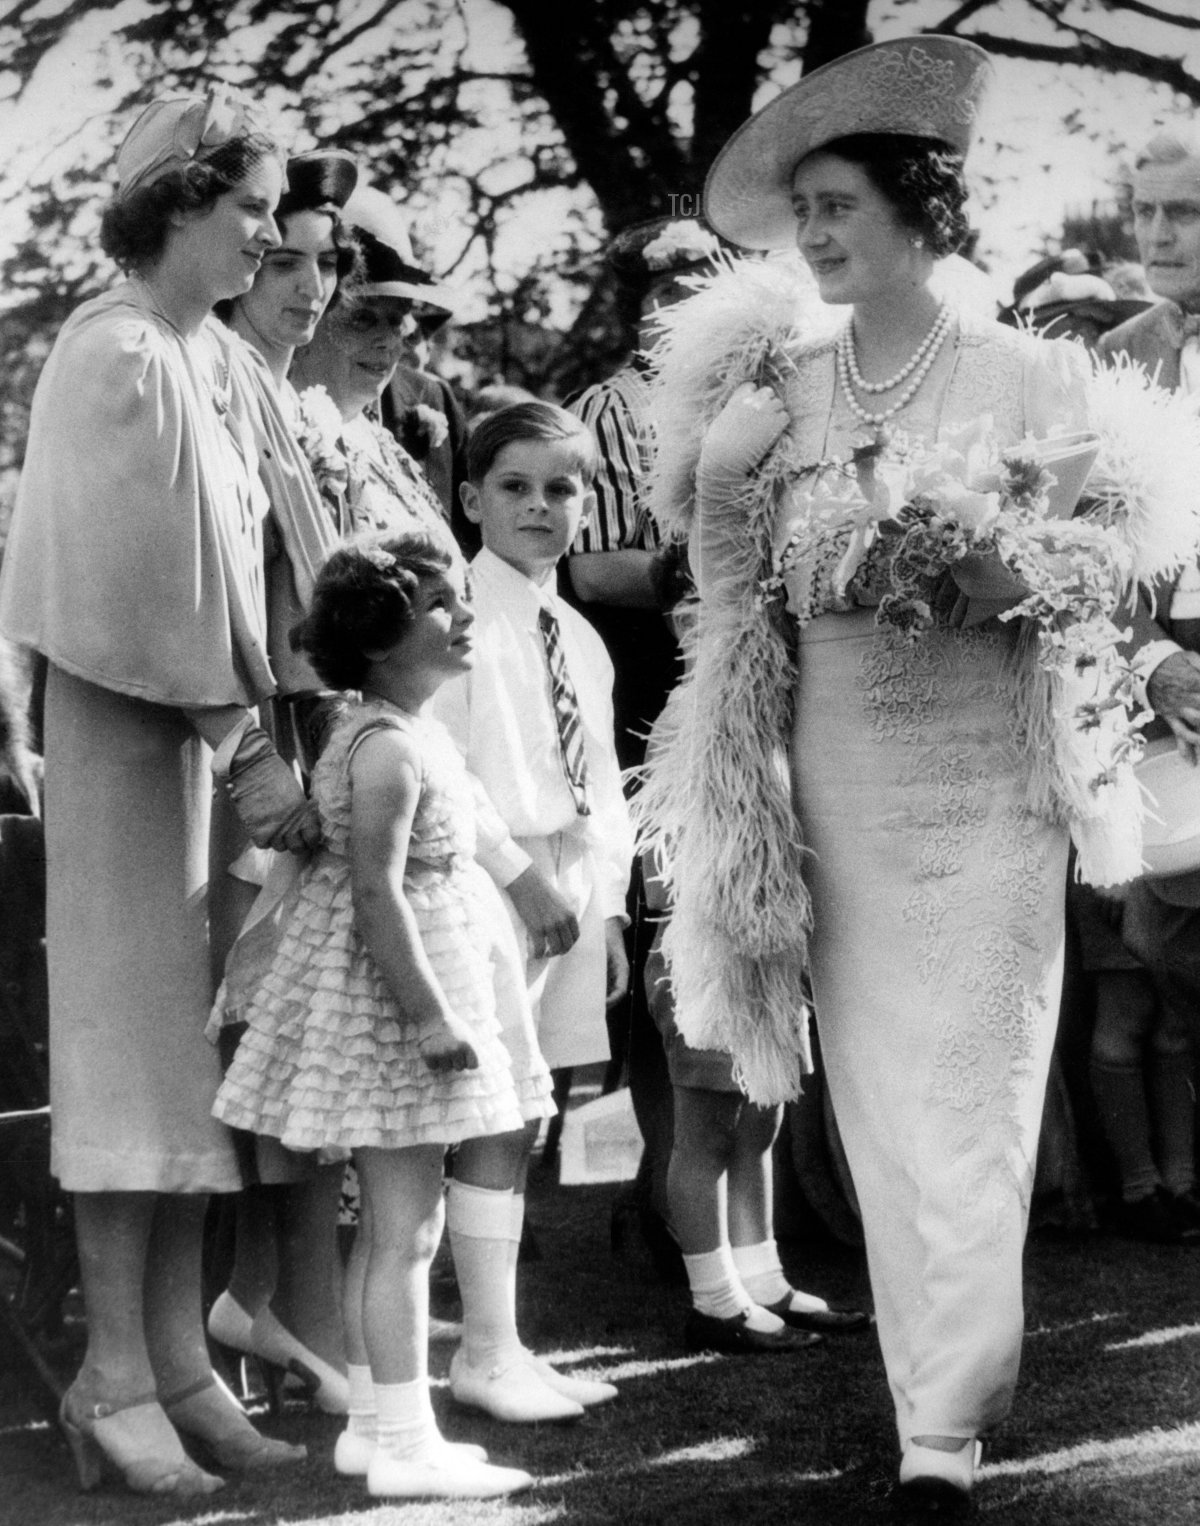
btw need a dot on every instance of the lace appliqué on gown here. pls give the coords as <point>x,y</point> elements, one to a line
<point>979,886</point>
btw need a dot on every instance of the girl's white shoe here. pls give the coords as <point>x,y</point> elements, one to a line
<point>585,1391</point>
<point>444,1475</point>
<point>353,1451</point>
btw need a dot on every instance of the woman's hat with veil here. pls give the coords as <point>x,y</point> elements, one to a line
<point>922,87</point>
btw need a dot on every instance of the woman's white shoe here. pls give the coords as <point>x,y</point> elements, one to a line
<point>230,1325</point>
<point>271,1342</point>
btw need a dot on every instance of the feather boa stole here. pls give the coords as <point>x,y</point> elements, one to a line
<point>1143,488</point>
<point>715,805</point>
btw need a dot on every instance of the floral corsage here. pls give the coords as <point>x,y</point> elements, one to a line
<point>320,429</point>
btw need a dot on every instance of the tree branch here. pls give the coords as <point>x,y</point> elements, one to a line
<point>1095,53</point>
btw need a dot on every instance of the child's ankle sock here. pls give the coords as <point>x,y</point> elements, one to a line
<point>760,1272</point>
<point>360,1417</point>
<point>714,1284</point>
<point>405,1426</point>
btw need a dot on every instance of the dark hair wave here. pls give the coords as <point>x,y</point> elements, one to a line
<point>363,600</point>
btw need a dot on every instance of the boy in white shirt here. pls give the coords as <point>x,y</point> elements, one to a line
<point>534,720</point>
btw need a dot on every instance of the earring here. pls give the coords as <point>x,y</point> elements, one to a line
<point>918,242</point>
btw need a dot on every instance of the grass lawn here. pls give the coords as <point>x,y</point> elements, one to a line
<point>1106,1430</point>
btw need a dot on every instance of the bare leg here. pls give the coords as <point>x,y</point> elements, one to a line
<point>353,1283</point>
<point>404,1189</point>
<point>307,1295</point>
<point>111,1406</point>
<point>253,1275</point>
<point>697,1178</point>
<point>751,1176</point>
<point>172,1294</point>
<point>112,1230</point>
<point>709,1130</point>
<point>497,1162</point>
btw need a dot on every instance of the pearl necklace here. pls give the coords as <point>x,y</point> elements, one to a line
<point>918,367</point>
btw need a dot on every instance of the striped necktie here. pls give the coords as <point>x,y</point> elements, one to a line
<point>566,712</point>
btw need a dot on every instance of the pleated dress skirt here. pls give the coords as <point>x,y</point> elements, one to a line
<point>936,965</point>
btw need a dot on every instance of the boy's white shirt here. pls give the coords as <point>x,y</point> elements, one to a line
<point>501,715</point>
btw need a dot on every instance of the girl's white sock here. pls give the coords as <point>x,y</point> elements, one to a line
<point>405,1427</point>
<point>360,1420</point>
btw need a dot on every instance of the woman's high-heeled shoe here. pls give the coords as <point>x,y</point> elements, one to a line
<point>278,1348</point>
<point>136,1440</point>
<point>230,1325</point>
<point>211,1416</point>
<point>940,1481</point>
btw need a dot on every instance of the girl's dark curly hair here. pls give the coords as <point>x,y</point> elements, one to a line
<point>363,601</point>
<point>921,177</point>
<point>134,228</point>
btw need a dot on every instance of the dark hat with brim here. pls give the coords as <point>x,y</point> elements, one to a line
<point>321,181</point>
<point>661,246</point>
<point>920,87</point>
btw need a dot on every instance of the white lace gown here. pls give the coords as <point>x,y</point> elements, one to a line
<point>938,910</point>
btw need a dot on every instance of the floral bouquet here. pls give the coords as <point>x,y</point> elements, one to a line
<point>998,519</point>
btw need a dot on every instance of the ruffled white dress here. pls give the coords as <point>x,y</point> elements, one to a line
<point>329,1057</point>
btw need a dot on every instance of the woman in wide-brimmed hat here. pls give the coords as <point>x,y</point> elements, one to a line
<point>867,771</point>
<point>353,355</point>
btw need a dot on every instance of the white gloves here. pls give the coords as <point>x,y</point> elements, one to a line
<point>737,440</point>
<point>739,437</point>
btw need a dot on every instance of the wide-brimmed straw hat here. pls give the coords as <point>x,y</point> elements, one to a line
<point>390,267</point>
<point>923,87</point>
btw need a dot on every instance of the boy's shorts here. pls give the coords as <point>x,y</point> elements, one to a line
<point>708,1070</point>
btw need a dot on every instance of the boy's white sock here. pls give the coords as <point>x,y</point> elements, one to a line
<point>480,1223</point>
<point>761,1272</point>
<point>763,1278</point>
<point>714,1283</point>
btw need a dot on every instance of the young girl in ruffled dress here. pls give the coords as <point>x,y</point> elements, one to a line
<point>392,1018</point>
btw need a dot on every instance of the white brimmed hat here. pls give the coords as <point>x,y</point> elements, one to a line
<point>390,267</point>
<point>923,87</point>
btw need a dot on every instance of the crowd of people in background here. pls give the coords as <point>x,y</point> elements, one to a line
<point>406,751</point>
